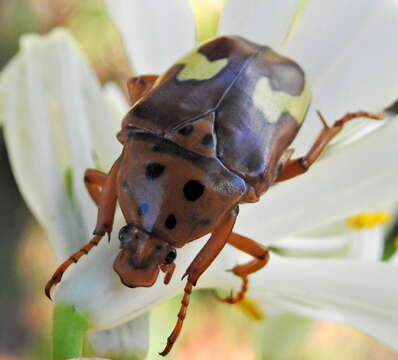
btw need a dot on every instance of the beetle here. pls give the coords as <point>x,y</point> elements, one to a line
<point>209,134</point>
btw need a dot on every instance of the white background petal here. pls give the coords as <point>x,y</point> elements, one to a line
<point>326,29</point>
<point>155,32</point>
<point>56,118</point>
<point>361,294</point>
<point>348,53</point>
<point>265,22</point>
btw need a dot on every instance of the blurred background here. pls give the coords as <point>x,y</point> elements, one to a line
<point>212,330</point>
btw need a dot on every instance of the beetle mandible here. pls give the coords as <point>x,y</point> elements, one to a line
<point>209,134</point>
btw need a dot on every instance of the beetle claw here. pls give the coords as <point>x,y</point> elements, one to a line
<point>49,286</point>
<point>47,290</point>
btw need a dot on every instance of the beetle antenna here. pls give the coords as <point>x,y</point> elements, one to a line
<point>181,316</point>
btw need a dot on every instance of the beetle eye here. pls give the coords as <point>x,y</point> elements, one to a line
<point>170,257</point>
<point>123,232</point>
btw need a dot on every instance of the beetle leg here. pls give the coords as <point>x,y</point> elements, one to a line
<point>299,166</point>
<point>199,264</point>
<point>138,85</point>
<point>94,181</point>
<point>261,257</point>
<point>106,212</point>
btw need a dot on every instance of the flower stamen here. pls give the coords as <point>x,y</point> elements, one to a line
<point>368,220</point>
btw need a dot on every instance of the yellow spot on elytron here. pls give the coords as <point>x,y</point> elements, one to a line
<point>198,67</point>
<point>368,220</point>
<point>396,242</point>
<point>250,309</point>
<point>274,103</point>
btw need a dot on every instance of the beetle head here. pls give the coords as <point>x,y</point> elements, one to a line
<point>142,256</point>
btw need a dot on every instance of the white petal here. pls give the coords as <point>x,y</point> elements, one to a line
<point>129,339</point>
<point>56,120</point>
<point>367,244</point>
<point>349,55</point>
<point>155,32</point>
<point>328,32</point>
<point>264,22</point>
<point>363,295</point>
<point>300,246</point>
<point>351,180</point>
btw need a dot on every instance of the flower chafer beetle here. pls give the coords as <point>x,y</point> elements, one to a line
<point>209,134</point>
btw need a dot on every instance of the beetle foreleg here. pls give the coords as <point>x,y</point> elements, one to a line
<point>106,211</point>
<point>138,85</point>
<point>299,166</point>
<point>199,264</point>
<point>261,257</point>
<point>94,181</point>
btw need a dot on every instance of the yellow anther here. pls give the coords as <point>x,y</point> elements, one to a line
<point>251,309</point>
<point>369,220</point>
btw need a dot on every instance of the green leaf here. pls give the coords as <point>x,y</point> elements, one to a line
<point>69,329</point>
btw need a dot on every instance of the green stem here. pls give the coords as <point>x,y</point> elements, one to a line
<point>69,329</point>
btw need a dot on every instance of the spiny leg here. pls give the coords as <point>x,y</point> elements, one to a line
<point>94,181</point>
<point>199,265</point>
<point>138,85</point>
<point>106,212</point>
<point>261,257</point>
<point>299,166</point>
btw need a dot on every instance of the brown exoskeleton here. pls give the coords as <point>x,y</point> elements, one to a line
<point>211,133</point>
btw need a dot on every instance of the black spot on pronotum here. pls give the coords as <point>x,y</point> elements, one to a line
<point>171,222</point>
<point>154,170</point>
<point>143,209</point>
<point>207,140</point>
<point>193,190</point>
<point>170,257</point>
<point>186,130</point>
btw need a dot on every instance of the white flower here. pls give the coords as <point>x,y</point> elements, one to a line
<point>58,122</point>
